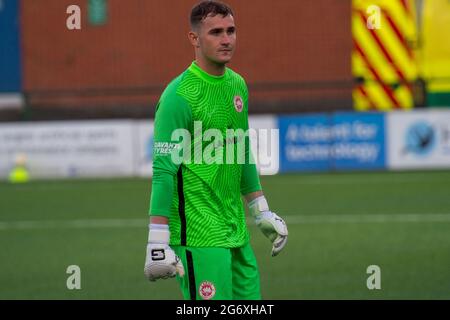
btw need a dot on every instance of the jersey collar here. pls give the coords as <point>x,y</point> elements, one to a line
<point>194,68</point>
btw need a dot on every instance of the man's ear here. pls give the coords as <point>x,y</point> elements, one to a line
<point>193,38</point>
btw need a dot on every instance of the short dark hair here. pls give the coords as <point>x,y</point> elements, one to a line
<point>208,7</point>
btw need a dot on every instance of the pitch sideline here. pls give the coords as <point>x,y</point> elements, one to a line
<point>290,219</point>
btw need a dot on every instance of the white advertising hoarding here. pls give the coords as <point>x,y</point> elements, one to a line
<point>144,148</point>
<point>69,148</point>
<point>107,148</point>
<point>418,139</point>
<point>265,140</point>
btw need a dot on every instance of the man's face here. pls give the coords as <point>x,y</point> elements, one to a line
<point>217,38</point>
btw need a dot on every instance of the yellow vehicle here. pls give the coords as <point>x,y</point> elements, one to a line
<point>433,50</point>
<point>401,55</point>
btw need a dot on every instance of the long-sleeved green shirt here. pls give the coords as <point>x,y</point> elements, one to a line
<point>201,161</point>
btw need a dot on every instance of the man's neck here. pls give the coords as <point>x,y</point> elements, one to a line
<point>213,69</point>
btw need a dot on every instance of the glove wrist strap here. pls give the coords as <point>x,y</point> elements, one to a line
<point>158,233</point>
<point>257,206</point>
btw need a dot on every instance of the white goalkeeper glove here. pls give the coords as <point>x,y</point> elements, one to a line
<point>271,225</point>
<point>161,261</point>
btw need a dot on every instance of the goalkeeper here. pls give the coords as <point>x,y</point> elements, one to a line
<point>197,228</point>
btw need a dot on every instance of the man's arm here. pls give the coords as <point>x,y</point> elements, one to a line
<point>272,226</point>
<point>253,195</point>
<point>172,113</point>
<point>159,220</point>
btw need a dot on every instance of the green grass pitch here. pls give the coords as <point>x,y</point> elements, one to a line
<point>339,224</point>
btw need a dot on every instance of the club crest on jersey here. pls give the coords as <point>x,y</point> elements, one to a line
<point>238,103</point>
<point>207,290</point>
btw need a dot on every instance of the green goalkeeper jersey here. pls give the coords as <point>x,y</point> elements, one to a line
<point>201,195</point>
